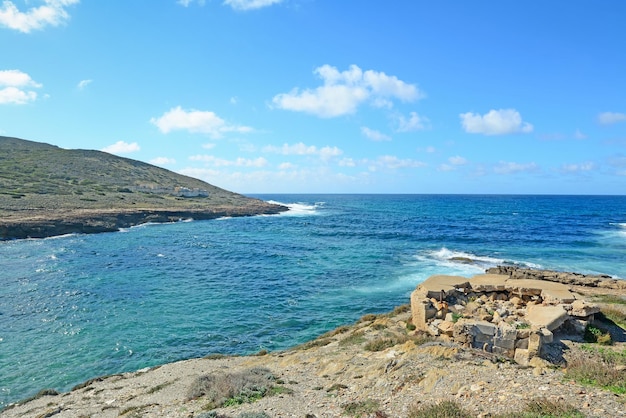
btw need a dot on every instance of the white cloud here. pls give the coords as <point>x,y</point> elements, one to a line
<point>415,122</point>
<point>287,166</point>
<point>51,13</point>
<point>250,4</point>
<point>84,83</point>
<point>186,3</point>
<point>504,167</point>
<point>162,161</point>
<point>496,122</point>
<point>15,87</point>
<point>343,92</point>
<point>392,162</point>
<point>578,168</point>
<point>300,148</point>
<point>453,163</point>
<point>13,95</point>
<point>121,147</point>
<point>220,162</point>
<point>374,135</point>
<point>608,118</point>
<point>347,162</point>
<point>457,160</point>
<point>17,78</point>
<point>209,145</point>
<point>195,121</point>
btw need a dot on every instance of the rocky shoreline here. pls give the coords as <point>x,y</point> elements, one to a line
<point>379,367</point>
<point>43,224</point>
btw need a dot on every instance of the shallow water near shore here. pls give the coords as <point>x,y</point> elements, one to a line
<point>79,306</point>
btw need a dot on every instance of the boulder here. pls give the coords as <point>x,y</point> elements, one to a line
<point>546,316</point>
<point>583,309</point>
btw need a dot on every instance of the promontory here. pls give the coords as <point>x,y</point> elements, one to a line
<point>48,191</point>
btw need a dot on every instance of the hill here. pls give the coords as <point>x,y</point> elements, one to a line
<point>46,190</point>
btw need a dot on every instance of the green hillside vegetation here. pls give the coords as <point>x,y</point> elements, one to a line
<point>50,183</point>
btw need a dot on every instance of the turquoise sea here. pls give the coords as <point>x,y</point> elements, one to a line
<point>80,306</point>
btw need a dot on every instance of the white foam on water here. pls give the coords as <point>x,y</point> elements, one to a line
<point>299,208</point>
<point>466,263</point>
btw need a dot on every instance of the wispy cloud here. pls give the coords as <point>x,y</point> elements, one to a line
<point>300,148</point>
<point>609,118</point>
<point>414,122</point>
<point>220,162</point>
<point>504,167</point>
<point>51,13</point>
<point>16,87</point>
<point>195,121</point>
<point>244,5</point>
<point>578,168</point>
<point>495,122</point>
<point>162,161</point>
<point>343,92</point>
<point>374,135</point>
<point>393,163</point>
<point>453,163</point>
<point>121,147</point>
<point>84,83</point>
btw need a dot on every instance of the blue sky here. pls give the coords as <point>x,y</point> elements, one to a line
<point>282,96</point>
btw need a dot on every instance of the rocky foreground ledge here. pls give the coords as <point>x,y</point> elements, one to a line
<point>382,366</point>
<point>43,224</point>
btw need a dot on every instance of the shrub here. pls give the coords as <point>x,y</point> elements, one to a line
<point>356,337</point>
<point>597,335</point>
<point>445,409</point>
<point>401,309</point>
<point>368,318</point>
<point>360,409</point>
<point>380,344</point>
<point>234,388</point>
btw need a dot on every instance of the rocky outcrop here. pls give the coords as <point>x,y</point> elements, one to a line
<point>96,221</point>
<point>574,279</point>
<point>498,314</point>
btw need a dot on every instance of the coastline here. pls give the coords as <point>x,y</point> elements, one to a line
<point>45,224</point>
<point>325,375</point>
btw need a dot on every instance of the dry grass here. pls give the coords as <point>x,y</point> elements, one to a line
<point>382,343</point>
<point>445,409</point>
<point>538,408</point>
<point>598,367</point>
<point>235,388</point>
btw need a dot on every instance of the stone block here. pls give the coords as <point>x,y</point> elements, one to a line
<point>522,343</point>
<point>521,356</point>
<point>439,286</point>
<point>550,317</point>
<point>546,336</point>
<point>534,344</point>
<point>483,327</point>
<point>505,337</point>
<point>421,311</point>
<point>488,282</point>
<point>583,309</point>
<point>446,328</point>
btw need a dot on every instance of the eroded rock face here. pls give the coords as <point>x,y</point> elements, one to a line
<point>498,314</point>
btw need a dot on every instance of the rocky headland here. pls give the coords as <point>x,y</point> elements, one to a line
<point>394,365</point>
<point>47,191</point>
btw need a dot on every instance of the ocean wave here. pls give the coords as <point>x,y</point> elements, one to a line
<point>467,262</point>
<point>300,208</point>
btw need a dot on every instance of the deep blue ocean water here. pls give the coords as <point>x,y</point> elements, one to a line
<point>80,306</point>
